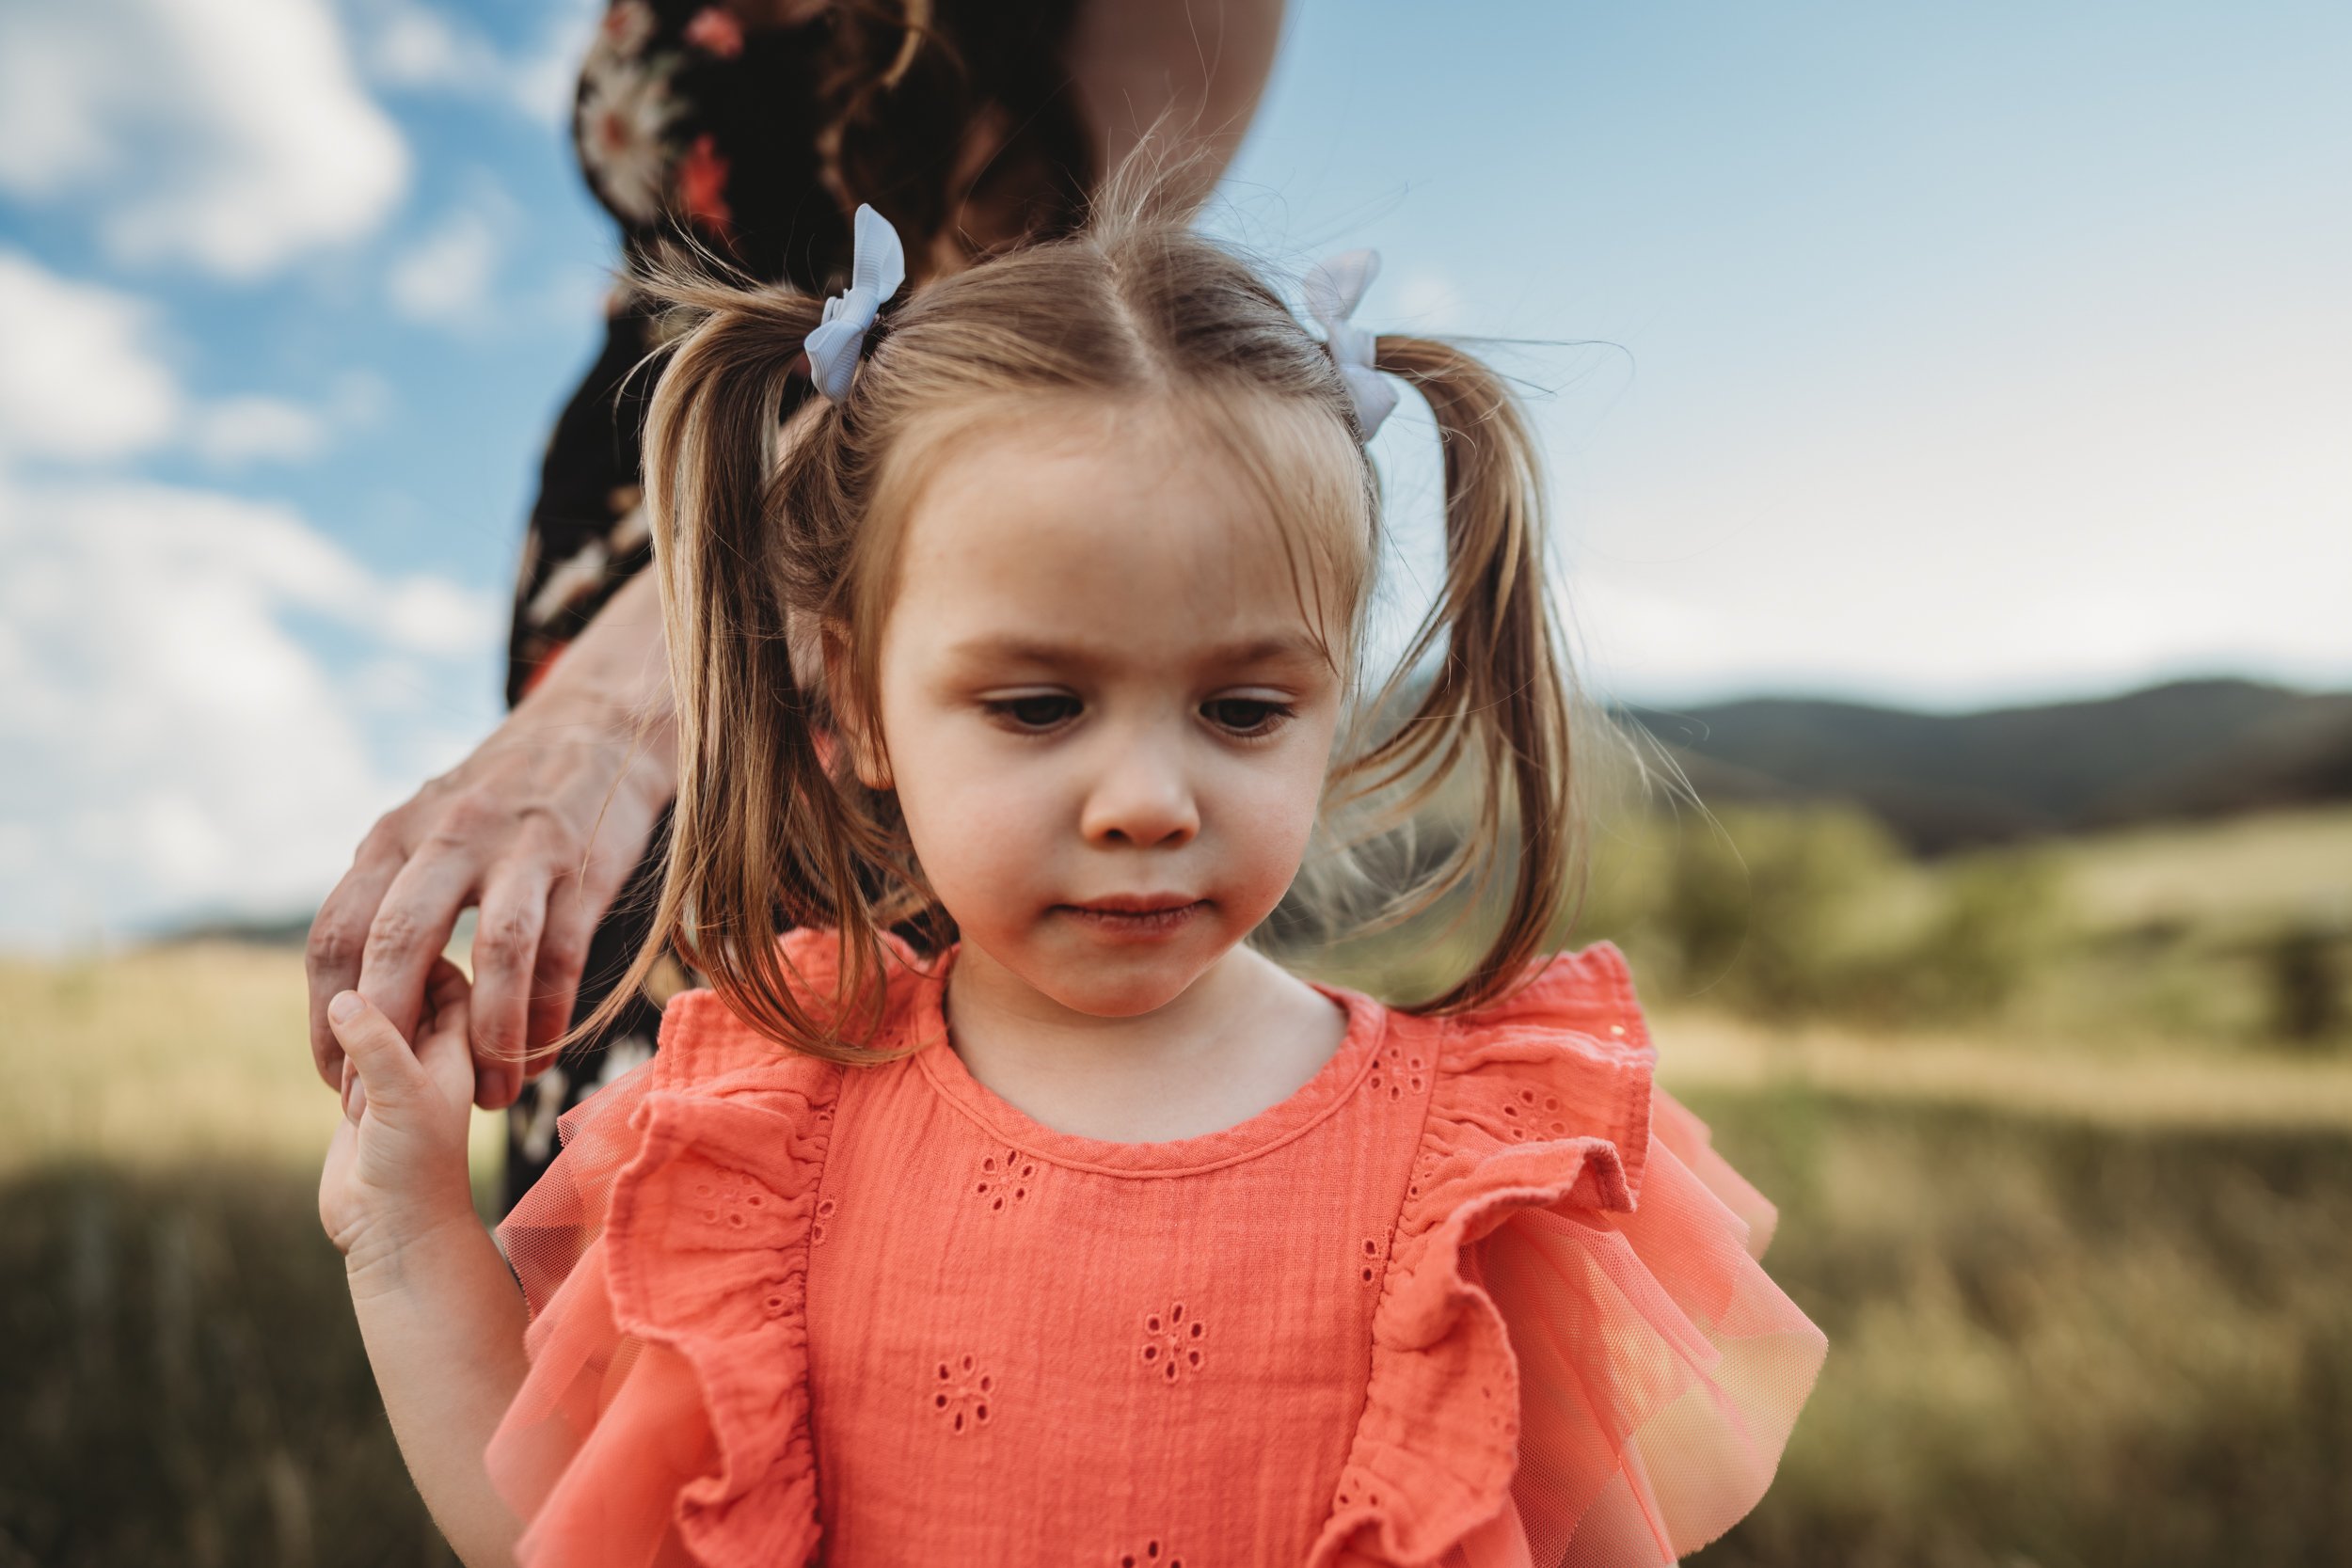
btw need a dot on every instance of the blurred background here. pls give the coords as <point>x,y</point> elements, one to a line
<point>1950,413</point>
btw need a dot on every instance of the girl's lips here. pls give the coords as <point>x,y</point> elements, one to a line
<point>1123,918</point>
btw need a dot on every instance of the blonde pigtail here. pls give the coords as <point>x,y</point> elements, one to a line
<point>1498,701</point>
<point>761,830</point>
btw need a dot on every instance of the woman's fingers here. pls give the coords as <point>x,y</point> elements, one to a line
<point>553,789</point>
<point>330,959</point>
<point>413,926</point>
<point>506,944</point>
<point>563,958</point>
<point>576,906</point>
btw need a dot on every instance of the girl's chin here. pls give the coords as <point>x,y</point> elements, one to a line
<point>1119,979</point>
<point>1079,964</point>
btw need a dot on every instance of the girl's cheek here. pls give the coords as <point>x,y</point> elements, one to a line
<point>979,823</point>
<point>1271,818</point>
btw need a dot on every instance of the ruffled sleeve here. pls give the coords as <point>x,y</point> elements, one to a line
<point>664,1418</point>
<point>1577,1358</point>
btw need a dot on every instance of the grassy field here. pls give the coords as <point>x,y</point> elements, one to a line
<point>2089,1300</point>
<point>165,1058</point>
<point>181,1381</point>
<point>2054,1342</point>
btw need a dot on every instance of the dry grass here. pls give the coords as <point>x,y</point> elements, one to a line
<point>2244,871</point>
<point>2149,1087</point>
<point>2084,1306</point>
<point>2054,1342</point>
<point>182,1382</point>
<point>163,1056</point>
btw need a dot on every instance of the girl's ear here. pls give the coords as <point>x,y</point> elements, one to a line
<point>867,756</point>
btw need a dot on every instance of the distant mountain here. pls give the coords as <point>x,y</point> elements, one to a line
<point>290,930</point>
<point>2207,748</point>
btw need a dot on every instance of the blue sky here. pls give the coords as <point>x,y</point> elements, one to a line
<point>1939,355</point>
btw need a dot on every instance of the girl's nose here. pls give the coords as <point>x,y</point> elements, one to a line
<point>1141,799</point>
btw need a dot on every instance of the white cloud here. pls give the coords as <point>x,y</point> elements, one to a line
<point>169,740</point>
<point>230,134</point>
<point>446,277</point>
<point>83,382</point>
<point>358,399</point>
<point>415,47</point>
<point>436,616</point>
<point>78,380</point>
<point>242,429</point>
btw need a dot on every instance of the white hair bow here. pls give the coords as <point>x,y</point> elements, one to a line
<point>1333,289</point>
<point>878,265</point>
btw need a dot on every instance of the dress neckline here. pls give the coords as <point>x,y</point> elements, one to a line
<point>1278,1124</point>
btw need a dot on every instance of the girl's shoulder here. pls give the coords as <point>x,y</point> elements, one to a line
<point>1578,1356</point>
<point>1557,1073</point>
<point>705,1044</point>
<point>664,1258</point>
<point>1556,1080</point>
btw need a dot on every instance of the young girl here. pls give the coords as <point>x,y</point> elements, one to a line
<point>1013,1210</point>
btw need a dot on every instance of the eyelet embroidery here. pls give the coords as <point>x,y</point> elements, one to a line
<point>1171,1344</point>
<point>961,1394</point>
<point>731,1200</point>
<point>817,1230</point>
<point>1148,1557</point>
<point>1525,1112</point>
<point>1424,1171</point>
<point>1372,1261</point>
<point>1004,1179</point>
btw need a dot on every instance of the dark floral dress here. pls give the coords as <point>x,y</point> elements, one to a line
<point>753,128</point>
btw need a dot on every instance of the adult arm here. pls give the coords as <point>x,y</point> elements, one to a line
<point>539,828</point>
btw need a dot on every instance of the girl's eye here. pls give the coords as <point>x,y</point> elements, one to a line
<point>1044,711</point>
<point>1245,715</point>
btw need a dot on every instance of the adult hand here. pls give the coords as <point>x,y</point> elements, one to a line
<point>538,829</point>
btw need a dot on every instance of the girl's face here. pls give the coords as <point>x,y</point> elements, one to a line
<point>1104,708</point>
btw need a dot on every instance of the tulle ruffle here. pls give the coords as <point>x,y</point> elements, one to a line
<point>664,1418</point>
<point>1577,1358</point>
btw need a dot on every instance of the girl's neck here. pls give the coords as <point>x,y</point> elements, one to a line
<point>1244,1036</point>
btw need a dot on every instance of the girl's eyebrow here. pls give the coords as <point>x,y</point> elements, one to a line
<point>1017,648</point>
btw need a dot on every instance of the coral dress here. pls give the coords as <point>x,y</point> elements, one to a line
<point>1476,1294</point>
